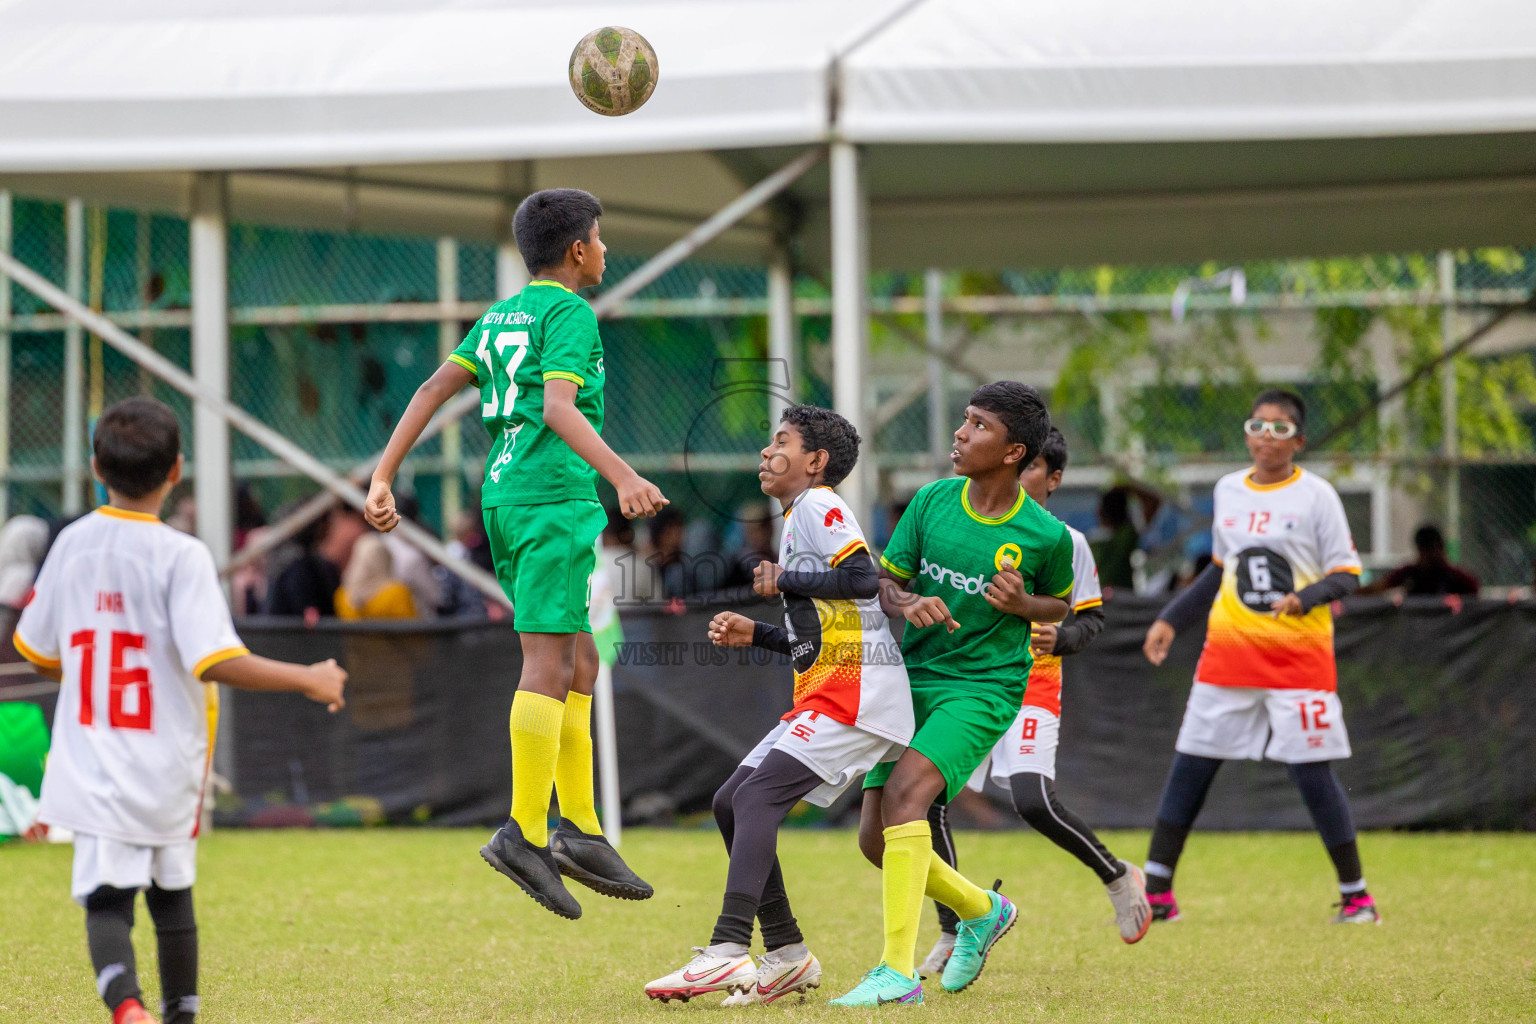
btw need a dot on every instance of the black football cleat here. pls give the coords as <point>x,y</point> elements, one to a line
<point>589,859</point>
<point>533,868</point>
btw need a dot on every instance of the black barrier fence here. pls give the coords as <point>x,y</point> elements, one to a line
<point>1440,702</point>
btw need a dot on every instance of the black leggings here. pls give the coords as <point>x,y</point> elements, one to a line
<point>749,809</point>
<point>108,931</point>
<point>1034,798</point>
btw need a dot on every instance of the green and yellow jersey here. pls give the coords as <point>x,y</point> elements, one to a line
<point>947,550</point>
<point>544,332</point>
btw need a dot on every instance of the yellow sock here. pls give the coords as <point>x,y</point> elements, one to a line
<point>573,771</point>
<point>955,891</point>
<point>535,728</point>
<point>903,874</point>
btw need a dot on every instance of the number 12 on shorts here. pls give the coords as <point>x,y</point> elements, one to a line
<point>121,681</point>
<point>1317,708</point>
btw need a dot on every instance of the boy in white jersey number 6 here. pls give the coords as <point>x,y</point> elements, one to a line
<point>1266,683</point>
<point>129,615</point>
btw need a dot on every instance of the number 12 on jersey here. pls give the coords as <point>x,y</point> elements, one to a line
<point>519,339</point>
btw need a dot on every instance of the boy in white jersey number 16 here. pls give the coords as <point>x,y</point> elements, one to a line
<point>1266,684</point>
<point>129,615</point>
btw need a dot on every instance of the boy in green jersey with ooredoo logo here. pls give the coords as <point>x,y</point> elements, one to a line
<point>537,359</point>
<point>974,560</point>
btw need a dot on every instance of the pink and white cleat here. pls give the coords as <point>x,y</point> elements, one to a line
<point>1164,906</point>
<point>704,974</point>
<point>1357,908</point>
<point>779,976</point>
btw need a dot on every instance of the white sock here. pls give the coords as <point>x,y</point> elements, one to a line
<point>793,951</point>
<point>731,949</point>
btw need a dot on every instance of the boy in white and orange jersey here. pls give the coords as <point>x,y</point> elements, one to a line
<point>1266,685</point>
<point>1024,760</point>
<point>129,614</point>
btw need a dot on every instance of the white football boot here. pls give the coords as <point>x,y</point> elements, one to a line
<point>1128,893</point>
<point>704,974</point>
<point>937,957</point>
<point>779,976</point>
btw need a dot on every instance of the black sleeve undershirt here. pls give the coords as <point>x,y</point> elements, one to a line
<point>1194,602</point>
<point>1072,638</point>
<point>852,578</point>
<point>770,637</point>
<point>1328,589</point>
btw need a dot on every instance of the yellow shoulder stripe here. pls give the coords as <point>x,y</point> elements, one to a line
<point>217,656</point>
<point>40,660</point>
<point>577,378</point>
<point>848,549</point>
<point>894,569</point>
<point>454,357</point>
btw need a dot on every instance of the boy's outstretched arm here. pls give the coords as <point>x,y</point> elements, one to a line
<point>433,394</point>
<point>637,495</point>
<point>732,629</point>
<point>321,682</point>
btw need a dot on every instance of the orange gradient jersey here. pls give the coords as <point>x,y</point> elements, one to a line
<point>1272,540</point>
<point>1044,689</point>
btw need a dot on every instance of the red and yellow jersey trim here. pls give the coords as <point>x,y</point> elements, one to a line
<point>1353,570</point>
<point>458,360</point>
<point>40,660</point>
<point>113,512</point>
<point>215,658</point>
<point>1092,602</point>
<point>895,570</point>
<point>574,378</point>
<point>846,550</point>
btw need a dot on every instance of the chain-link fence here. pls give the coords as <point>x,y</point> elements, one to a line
<point>1149,370</point>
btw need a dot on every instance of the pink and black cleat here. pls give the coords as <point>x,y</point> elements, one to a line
<point>1357,908</point>
<point>1164,906</point>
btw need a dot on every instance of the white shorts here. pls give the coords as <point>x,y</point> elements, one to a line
<point>101,861</point>
<point>1252,723</point>
<point>838,753</point>
<point>1029,745</point>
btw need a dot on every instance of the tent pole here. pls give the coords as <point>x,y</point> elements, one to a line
<point>1451,441</point>
<point>452,481</point>
<point>74,362</point>
<point>210,362</point>
<point>5,361</point>
<point>781,331</point>
<point>939,438</point>
<point>850,243</point>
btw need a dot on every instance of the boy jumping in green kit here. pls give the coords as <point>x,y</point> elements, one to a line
<point>537,359</point>
<point>973,562</point>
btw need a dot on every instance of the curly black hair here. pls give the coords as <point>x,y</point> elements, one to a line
<point>1290,401</point>
<point>824,430</point>
<point>1022,411</point>
<point>547,222</point>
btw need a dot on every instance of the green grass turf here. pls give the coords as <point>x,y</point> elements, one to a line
<point>372,926</point>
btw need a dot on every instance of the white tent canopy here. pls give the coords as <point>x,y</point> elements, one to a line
<point>992,131</point>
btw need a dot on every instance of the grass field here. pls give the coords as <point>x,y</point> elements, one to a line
<point>356,926</point>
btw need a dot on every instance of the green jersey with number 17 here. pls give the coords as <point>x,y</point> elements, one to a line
<point>545,332</point>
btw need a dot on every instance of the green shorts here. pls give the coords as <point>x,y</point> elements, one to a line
<point>957,727</point>
<point>544,558</point>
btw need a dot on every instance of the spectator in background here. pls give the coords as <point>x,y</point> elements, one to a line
<point>248,583</point>
<point>412,566</point>
<point>620,560</point>
<point>669,568</point>
<point>757,544</point>
<point>23,543</point>
<point>307,586</point>
<point>459,599</point>
<point>183,515</point>
<point>1118,535</point>
<point>370,588</point>
<point>249,515</point>
<point>1431,574</point>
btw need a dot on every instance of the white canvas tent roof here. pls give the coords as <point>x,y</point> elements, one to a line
<point>1010,132</point>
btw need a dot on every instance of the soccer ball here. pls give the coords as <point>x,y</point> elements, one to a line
<point>613,70</point>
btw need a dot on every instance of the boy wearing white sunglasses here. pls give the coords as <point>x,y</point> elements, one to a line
<point>1266,684</point>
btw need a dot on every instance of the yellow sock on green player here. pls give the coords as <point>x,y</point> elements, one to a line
<point>955,891</point>
<point>573,769</point>
<point>903,876</point>
<point>535,725</point>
